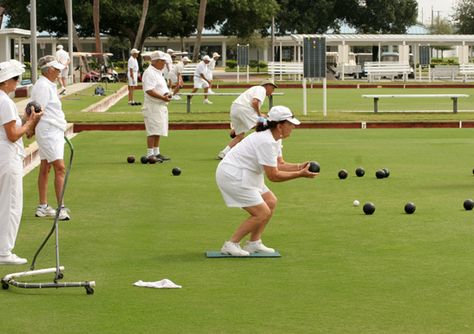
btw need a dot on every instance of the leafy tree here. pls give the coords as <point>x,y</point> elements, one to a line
<point>464,16</point>
<point>241,18</point>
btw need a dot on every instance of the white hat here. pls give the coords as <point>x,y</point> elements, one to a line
<point>10,69</point>
<point>215,54</point>
<point>170,51</point>
<point>281,113</point>
<point>50,61</point>
<point>169,60</point>
<point>206,58</point>
<point>134,51</point>
<point>158,55</point>
<point>185,59</point>
<point>59,47</point>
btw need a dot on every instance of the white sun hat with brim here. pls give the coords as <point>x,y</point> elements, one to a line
<point>134,51</point>
<point>282,113</point>
<point>10,69</point>
<point>185,59</point>
<point>158,55</point>
<point>215,55</point>
<point>206,58</point>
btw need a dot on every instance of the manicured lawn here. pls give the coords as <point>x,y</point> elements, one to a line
<point>342,105</point>
<point>340,271</point>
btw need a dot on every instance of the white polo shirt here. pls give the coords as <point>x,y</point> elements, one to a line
<point>178,68</point>
<point>153,79</point>
<point>203,69</point>
<point>255,92</point>
<point>63,57</point>
<point>46,94</point>
<point>255,151</point>
<point>8,113</point>
<point>132,65</point>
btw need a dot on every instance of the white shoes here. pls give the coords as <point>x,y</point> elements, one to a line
<point>257,247</point>
<point>210,91</point>
<point>12,259</point>
<point>45,211</point>
<point>206,101</point>
<point>176,97</point>
<point>221,155</point>
<point>64,214</point>
<point>231,248</point>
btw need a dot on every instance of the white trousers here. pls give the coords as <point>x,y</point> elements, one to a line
<point>11,197</point>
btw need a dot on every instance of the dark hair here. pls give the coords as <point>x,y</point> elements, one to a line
<point>16,78</point>
<point>261,126</point>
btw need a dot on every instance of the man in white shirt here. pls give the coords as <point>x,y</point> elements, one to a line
<point>132,75</point>
<point>201,78</point>
<point>176,76</point>
<point>212,66</point>
<point>245,112</point>
<point>63,58</point>
<point>50,136</point>
<point>155,110</point>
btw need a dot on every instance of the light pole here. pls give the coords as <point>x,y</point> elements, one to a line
<point>33,43</point>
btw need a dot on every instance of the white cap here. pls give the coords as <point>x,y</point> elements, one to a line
<point>169,60</point>
<point>158,55</point>
<point>10,69</point>
<point>134,51</point>
<point>170,51</point>
<point>50,61</point>
<point>206,58</point>
<point>215,55</point>
<point>185,59</point>
<point>281,113</point>
<point>59,47</point>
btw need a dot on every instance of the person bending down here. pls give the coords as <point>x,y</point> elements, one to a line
<point>245,112</point>
<point>240,178</point>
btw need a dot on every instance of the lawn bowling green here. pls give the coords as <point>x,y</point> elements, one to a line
<point>340,271</point>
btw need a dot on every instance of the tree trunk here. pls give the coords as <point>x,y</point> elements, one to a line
<point>200,27</point>
<point>96,19</point>
<point>2,11</point>
<point>141,26</point>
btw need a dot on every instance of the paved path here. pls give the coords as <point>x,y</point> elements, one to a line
<point>71,89</point>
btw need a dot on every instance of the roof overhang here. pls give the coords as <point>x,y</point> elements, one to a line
<point>15,32</point>
<point>375,39</point>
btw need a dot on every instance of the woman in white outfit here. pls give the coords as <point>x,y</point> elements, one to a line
<point>11,161</point>
<point>240,177</point>
<point>50,137</point>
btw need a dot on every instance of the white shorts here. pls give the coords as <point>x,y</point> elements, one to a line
<point>173,77</point>
<point>200,83</point>
<point>235,188</point>
<point>65,72</point>
<point>156,119</point>
<point>50,142</point>
<point>242,119</point>
<point>134,81</point>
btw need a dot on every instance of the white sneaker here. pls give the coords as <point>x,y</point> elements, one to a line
<point>46,211</point>
<point>210,91</point>
<point>233,249</point>
<point>12,259</point>
<point>257,247</point>
<point>221,155</point>
<point>64,214</point>
<point>176,97</point>
<point>206,101</point>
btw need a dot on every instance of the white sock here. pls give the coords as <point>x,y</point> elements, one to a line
<point>149,152</point>
<point>156,150</point>
<point>227,149</point>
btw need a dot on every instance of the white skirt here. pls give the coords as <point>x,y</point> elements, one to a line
<point>156,119</point>
<point>240,188</point>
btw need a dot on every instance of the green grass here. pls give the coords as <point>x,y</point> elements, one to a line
<point>343,105</point>
<point>340,271</point>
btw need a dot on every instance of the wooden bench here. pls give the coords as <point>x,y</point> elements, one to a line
<point>453,97</point>
<point>466,70</point>
<point>189,69</point>
<point>386,69</point>
<point>190,95</point>
<point>285,68</point>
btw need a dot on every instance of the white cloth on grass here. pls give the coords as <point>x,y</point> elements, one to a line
<point>163,284</point>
